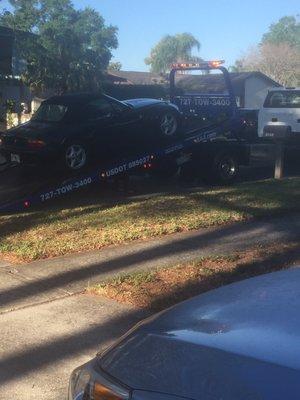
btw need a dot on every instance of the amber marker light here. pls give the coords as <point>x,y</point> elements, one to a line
<point>103,393</point>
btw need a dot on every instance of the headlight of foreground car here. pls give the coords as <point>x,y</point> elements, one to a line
<point>87,384</point>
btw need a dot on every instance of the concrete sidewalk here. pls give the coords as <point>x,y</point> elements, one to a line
<point>48,327</point>
<point>41,345</point>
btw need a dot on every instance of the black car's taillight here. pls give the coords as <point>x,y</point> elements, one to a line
<point>36,144</point>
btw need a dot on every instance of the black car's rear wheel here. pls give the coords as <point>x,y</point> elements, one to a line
<point>76,156</point>
<point>168,124</point>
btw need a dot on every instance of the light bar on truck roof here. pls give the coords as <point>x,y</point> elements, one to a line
<point>216,63</point>
<point>204,64</point>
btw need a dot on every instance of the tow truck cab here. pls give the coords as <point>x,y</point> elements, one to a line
<point>224,130</point>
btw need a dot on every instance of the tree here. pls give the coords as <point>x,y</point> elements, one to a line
<point>172,49</point>
<point>64,48</point>
<point>286,30</point>
<point>280,62</point>
<point>114,66</point>
<point>278,54</point>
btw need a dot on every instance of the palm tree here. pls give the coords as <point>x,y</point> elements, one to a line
<point>172,49</point>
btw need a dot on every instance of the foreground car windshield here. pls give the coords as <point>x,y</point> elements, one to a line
<point>50,113</point>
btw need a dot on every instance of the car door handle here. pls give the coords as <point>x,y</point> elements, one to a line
<point>122,123</point>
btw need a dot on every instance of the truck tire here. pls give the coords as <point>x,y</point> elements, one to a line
<point>224,169</point>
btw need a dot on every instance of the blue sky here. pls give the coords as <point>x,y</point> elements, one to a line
<point>225,28</point>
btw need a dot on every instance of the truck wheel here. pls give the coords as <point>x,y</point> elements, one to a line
<point>224,169</point>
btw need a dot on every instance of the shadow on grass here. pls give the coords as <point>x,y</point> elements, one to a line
<point>251,200</point>
<point>20,222</point>
<point>102,197</point>
<point>277,261</point>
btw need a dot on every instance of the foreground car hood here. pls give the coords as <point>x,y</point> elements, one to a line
<point>140,103</point>
<point>237,342</point>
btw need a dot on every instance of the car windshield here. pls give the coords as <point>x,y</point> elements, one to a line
<point>50,113</point>
<point>283,99</point>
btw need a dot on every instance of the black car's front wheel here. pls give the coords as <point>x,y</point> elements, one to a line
<point>75,156</point>
<point>168,124</point>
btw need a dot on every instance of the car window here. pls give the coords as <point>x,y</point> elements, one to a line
<point>286,99</point>
<point>98,108</point>
<point>50,113</point>
<point>295,100</point>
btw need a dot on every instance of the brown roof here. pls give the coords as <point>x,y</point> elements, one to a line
<point>214,83</point>
<point>136,77</point>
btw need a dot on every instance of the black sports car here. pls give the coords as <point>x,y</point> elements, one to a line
<point>72,130</point>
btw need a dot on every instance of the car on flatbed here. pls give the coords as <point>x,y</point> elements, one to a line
<point>74,129</point>
<point>238,342</point>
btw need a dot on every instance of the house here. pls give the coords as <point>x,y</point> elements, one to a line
<point>132,84</point>
<point>250,88</point>
<point>13,91</point>
<point>136,78</point>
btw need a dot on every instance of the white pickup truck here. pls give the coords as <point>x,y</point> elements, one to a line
<point>281,108</point>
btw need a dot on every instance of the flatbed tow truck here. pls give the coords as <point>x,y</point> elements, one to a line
<point>213,144</point>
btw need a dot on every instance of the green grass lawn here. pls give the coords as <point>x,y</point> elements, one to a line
<point>59,231</point>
